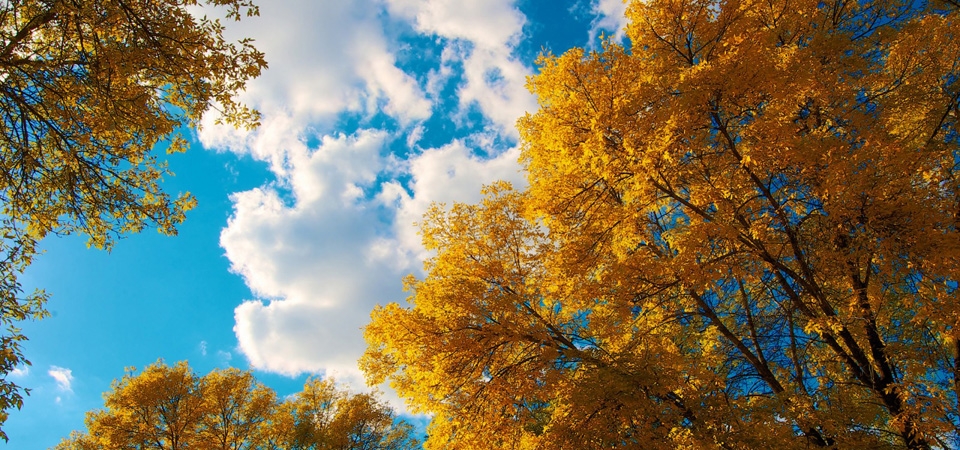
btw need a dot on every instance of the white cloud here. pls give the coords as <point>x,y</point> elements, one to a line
<point>485,23</point>
<point>321,222</point>
<point>610,17</point>
<point>293,336</point>
<point>308,258</point>
<point>321,261</point>
<point>19,372</point>
<point>494,79</point>
<point>203,348</point>
<point>63,378</point>
<point>448,174</point>
<point>405,101</point>
<point>496,82</point>
<point>224,357</point>
<point>325,58</point>
<point>333,236</point>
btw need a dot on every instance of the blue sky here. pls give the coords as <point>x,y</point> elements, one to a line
<point>372,110</point>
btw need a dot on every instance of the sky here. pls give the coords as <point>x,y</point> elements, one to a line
<point>372,110</point>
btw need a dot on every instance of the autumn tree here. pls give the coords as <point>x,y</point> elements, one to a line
<point>236,410</point>
<point>158,408</point>
<point>325,417</point>
<point>363,422</point>
<point>172,408</point>
<point>741,231</point>
<point>89,89</point>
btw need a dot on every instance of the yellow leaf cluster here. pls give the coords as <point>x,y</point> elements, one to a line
<point>88,91</point>
<point>739,232</point>
<point>172,408</point>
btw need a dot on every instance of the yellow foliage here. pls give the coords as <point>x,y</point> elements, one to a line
<point>88,90</point>
<point>171,408</point>
<point>741,232</point>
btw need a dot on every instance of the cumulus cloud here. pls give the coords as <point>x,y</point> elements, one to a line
<point>63,377</point>
<point>306,258</point>
<point>333,236</point>
<point>489,24</point>
<point>494,79</point>
<point>452,173</point>
<point>610,17</point>
<point>20,372</point>
<point>325,58</point>
<point>321,261</point>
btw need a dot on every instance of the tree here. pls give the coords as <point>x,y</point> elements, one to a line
<point>363,422</point>
<point>237,409</point>
<point>89,89</point>
<point>159,408</point>
<point>324,417</point>
<point>740,232</point>
<point>172,408</point>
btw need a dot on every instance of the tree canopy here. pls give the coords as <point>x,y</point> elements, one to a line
<point>740,231</point>
<point>172,408</point>
<point>89,89</point>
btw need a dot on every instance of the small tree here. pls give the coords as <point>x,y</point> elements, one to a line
<point>172,408</point>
